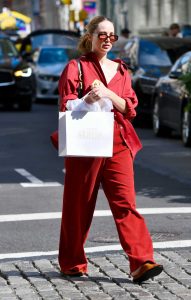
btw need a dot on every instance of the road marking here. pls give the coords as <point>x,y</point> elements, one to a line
<point>34,181</point>
<point>30,217</point>
<point>97,213</point>
<point>156,245</point>
<point>44,184</point>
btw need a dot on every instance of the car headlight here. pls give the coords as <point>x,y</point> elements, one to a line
<point>23,73</point>
<point>140,72</point>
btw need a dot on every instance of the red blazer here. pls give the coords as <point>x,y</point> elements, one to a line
<point>120,84</point>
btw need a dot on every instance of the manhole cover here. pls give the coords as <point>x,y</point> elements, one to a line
<point>105,240</point>
<point>156,236</point>
<point>161,236</point>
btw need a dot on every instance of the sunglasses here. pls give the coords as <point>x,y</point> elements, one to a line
<point>103,36</point>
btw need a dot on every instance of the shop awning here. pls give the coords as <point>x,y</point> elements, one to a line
<point>7,23</point>
<point>13,20</point>
<point>20,16</point>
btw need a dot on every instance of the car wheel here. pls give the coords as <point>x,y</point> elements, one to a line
<point>158,129</point>
<point>186,128</point>
<point>25,104</point>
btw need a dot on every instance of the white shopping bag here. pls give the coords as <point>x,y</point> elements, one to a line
<point>86,133</point>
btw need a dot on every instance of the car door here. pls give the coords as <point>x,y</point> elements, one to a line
<point>172,92</point>
<point>176,92</point>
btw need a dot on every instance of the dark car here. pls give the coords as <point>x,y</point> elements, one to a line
<point>172,101</point>
<point>16,78</point>
<point>149,58</point>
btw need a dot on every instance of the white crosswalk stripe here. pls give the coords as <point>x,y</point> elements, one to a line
<point>34,181</point>
<point>117,247</point>
<point>97,213</point>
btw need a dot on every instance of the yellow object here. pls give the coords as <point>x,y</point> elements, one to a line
<point>83,15</point>
<point>96,83</point>
<point>8,23</point>
<point>28,48</point>
<point>8,19</point>
<point>67,2</point>
<point>72,15</point>
<point>20,16</point>
<point>18,46</point>
<point>3,16</point>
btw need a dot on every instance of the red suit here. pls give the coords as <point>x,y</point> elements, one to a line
<point>84,175</point>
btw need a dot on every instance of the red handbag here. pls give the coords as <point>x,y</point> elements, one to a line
<point>54,135</point>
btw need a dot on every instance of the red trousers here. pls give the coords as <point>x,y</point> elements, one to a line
<point>82,181</point>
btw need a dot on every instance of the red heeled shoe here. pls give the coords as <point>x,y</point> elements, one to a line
<point>73,273</point>
<point>146,271</point>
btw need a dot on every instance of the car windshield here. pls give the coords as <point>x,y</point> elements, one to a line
<point>151,54</point>
<point>53,56</point>
<point>7,49</point>
<point>53,39</point>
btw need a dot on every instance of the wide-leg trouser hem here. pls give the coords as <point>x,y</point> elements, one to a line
<point>119,190</point>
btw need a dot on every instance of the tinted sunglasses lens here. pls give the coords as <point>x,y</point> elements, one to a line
<point>113,38</point>
<point>102,36</point>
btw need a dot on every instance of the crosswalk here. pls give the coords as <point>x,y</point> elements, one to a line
<point>97,213</point>
<point>96,249</point>
<point>34,182</point>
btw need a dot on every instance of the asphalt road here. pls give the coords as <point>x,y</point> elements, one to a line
<point>162,179</point>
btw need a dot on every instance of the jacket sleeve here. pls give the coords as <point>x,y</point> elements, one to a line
<point>130,97</point>
<point>68,84</point>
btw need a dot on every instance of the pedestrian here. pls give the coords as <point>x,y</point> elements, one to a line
<point>174,30</point>
<point>85,174</point>
<point>125,33</point>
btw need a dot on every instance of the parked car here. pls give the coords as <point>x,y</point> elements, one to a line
<point>186,30</point>
<point>49,63</point>
<point>49,50</point>
<point>17,85</point>
<point>172,101</point>
<point>149,58</point>
<point>114,53</point>
<point>47,37</point>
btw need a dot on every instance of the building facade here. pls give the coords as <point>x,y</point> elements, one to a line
<point>116,10</point>
<point>146,16</point>
<point>140,16</point>
<point>155,16</point>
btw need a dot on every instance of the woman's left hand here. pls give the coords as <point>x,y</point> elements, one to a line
<point>100,90</point>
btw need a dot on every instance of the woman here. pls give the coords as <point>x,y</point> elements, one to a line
<point>115,173</point>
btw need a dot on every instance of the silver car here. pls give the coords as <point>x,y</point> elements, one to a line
<point>49,64</point>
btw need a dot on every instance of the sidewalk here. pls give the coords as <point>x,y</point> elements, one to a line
<point>108,278</point>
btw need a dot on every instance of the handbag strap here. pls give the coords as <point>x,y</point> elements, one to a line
<point>80,87</point>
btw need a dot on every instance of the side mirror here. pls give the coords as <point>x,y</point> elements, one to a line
<point>175,74</point>
<point>128,62</point>
<point>29,59</point>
